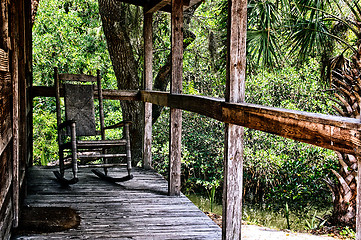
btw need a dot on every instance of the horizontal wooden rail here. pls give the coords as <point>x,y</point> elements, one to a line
<point>133,95</point>
<point>332,132</point>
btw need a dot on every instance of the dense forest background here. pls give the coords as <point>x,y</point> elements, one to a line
<point>280,175</point>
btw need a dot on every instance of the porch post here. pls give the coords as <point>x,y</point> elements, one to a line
<point>148,83</point>
<point>14,65</point>
<point>235,93</point>
<point>176,88</point>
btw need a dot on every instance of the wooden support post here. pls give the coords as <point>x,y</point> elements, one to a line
<point>235,93</point>
<point>14,69</point>
<point>148,84</point>
<point>176,88</point>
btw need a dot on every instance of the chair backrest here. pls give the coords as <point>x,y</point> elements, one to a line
<point>79,101</point>
<point>79,107</point>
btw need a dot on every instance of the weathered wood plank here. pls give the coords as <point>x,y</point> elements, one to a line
<point>175,129</point>
<point>332,132</point>
<point>77,77</point>
<point>157,5</point>
<point>335,133</point>
<point>139,208</point>
<point>235,93</point>
<point>43,91</point>
<point>5,136</point>
<point>207,106</point>
<point>148,84</point>
<point>4,61</point>
<point>16,12</point>
<point>6,220</point>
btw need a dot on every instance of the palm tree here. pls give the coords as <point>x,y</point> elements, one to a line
<point>321,27</point>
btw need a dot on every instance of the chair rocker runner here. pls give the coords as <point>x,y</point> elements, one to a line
<point>80,122</point>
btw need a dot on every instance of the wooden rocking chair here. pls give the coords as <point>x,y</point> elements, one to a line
<point>80,122</point>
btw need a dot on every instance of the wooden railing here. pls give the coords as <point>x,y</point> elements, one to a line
<point>331,132</point>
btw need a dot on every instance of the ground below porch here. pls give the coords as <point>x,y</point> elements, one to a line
<point>136,209</point>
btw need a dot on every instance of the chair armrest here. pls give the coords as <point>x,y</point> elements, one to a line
<point>65,124</point>
<point>118,125</point>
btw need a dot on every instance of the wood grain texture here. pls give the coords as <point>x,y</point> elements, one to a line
<point>233,145</point>
<point>43,91</point>
<point>77,77</point>
<point>175,129</point>
<point>4,61</point>
<point>154,6</point>
<point>148,84</point>
<point>332,132</point>
<point>138,209</point>
<point>15,59</point>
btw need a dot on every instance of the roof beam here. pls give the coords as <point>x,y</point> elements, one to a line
<point>154,7</point>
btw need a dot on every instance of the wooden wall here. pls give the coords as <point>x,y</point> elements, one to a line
<point>15,108</point>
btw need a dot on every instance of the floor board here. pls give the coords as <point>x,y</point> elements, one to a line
<point>136,209</point>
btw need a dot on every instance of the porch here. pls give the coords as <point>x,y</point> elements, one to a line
<point>136,209</point>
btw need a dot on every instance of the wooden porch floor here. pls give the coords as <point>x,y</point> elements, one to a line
<point>137,209</point>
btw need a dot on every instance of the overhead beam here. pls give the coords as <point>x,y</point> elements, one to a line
<point>155,6</point>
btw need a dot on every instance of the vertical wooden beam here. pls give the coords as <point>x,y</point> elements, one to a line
<point>148,85</point>
<point>14,69</point>
<point>176,87</point>
<point>235,92</point>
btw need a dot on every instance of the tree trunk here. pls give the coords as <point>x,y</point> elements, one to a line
<point>125,65</point>
<point>346,81</point>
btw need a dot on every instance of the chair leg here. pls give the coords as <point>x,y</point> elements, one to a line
<point>129,156</point>
<point>105,160</point>
<point>61,162</point>
<point>74,151</point>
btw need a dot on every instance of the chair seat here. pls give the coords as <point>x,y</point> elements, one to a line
<point>101,143</point>
<point>95,144</point>
<point>100,155</point>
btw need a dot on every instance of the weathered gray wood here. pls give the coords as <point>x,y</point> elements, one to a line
<point>148,85</point>
<point>42,91</point>
<point>157,5</point>
<point>175,142</point>
<point>77,77</point>
<point>6,220</point>
<point>4,61</point>
<point>5,188</point>
<point>139,209</point>
<point>235,93</point>
<point>6,136</point>
<point>101,110</point>
<point>14,71</point>
<point>331,132</point>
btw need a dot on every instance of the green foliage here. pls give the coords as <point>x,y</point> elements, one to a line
<point>67,35</point>
<point>45,134</point>
<point>277,171</point>
<point>314,223</point>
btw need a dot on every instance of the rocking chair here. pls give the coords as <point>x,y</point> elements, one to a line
<point>79,123</point>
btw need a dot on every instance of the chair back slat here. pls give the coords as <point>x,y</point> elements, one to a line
<point>65,77</point>
<point>79,107</point>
